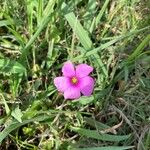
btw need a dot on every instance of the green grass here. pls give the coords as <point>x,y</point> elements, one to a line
<point>37,37</point>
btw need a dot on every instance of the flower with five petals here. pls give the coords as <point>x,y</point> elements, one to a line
<point>75,80</point>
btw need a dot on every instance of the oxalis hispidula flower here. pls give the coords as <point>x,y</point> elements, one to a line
<point>75,80</point>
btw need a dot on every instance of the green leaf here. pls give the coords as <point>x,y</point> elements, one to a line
<point>89,15</point>
<point>15,124</point>
<point>46,18</point>
<point>139,49</point>
<point>84,100</point>
<point>83,36</point>
<point>40,10</point>
<point>17,114</point>
<point>106,148</point>
<point>95,135</point>
<point>77,27</point>
<point>144,82</point>
<point>17,36</point>
<point>5,103</point>
<point>4,23</point>
<point>99,16</point>
<point>10,66</point>
<point>2,120</point>
<point>111,42</point>
<point>74,3</point>
<point>98,125</point>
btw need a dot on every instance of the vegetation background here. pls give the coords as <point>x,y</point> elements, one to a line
<point>37,37</point>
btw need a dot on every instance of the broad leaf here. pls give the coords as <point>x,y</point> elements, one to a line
<point>99,136</point>
<point>17,114</point>
<point>11,66</point>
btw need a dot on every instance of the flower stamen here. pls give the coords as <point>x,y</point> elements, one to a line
<point>74,80</point>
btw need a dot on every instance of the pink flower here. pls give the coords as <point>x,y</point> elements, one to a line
<point>75,80</point>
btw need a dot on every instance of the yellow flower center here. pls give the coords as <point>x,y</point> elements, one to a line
<point>74,80</point>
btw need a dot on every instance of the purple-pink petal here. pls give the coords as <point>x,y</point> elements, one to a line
<point>72,93</point>
<point>83,70</point>
<point>62,83</point>
<point>68,69</point>
<point>87,85</point>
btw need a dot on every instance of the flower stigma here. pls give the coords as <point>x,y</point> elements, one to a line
<point>74,80</point>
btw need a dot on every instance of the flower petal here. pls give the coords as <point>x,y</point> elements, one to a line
<point>62,83</point>
<point>68,69</point>
<point>72,93</point>
<point>87,85</point>
<point>83,70</point>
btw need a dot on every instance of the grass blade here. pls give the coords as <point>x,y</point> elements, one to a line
<point>99,16</point>
<point>106,45</point>
<point>40,11</point>
<point>83,36</point>
<point>98,125</point>
<point>44,22</point>
<point>89,15</point>
<point>139,49</point>
<point>5,104</point>
<point>77,27</point>
<point>106,148</point>
<point>95,135</point>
